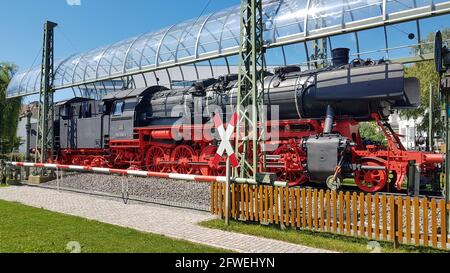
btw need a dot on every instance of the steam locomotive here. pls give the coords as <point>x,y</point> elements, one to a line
<point>318,126</point>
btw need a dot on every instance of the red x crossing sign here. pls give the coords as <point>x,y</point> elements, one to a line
<point>225,136</point>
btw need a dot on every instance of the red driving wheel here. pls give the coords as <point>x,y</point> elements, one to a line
<point>371,181</point>
<point>182,157</point>
<point>153,160</point>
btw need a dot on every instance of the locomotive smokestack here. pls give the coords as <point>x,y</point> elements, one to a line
<point>341,56</point>
<point>329,120</point>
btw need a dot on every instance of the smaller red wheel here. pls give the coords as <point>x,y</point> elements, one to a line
<point>182,157</point>
<point>153,160</point>
<point>207,156</point>
<point>371,181</point>
<point>100,162</point>
<point>76,161</point>
<point>292,166</point>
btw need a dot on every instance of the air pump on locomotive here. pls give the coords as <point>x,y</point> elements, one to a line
<point>318,126</point>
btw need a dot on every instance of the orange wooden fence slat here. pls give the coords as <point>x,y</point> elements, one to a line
<point>362,214</point>
<point>250,203</point>
<point>286,197</point>
<point>425,222</point>
<point>247,202</point>
<point>348,204</point>
<point>335,207</point>
<point>316,210</point>
<point>237,199</point>
<point>408,219</point>
<point>377,217</point>
<point>271,205</point>
<point>222,199</point>
<point>293,208</point>
<point>216,198</point>
<point>266,204</point>
<point>433,223</point>
<point>222,192</point>
<point>328,223</point>
<point>400,219</point>
<point>232,200</point>
<point>304,208</point>
<point>309,193</point>
<point>341,212</point>
<point>443,209</point>
<point>276,204</point>
<point>416,222</point>
<point>281,208</point>
<point>355,213</point>
<point>261,203</point>
<point>298,209</point>
<point>384,212</point>
<point>322,210</point>
<point>369,216</point>
<point>212,199</point>
<point>254,202</point>
<point>392,231</point>
<point>242,201</point>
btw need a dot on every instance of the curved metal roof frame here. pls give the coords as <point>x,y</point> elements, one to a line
<point>217,36</point>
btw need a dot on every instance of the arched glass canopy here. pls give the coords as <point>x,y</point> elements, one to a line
<point>194,43</point>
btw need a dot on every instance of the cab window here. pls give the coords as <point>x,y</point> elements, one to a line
<point>119,106</point>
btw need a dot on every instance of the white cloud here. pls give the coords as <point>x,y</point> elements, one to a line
<point>74,2</point>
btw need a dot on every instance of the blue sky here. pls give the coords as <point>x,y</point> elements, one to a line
<point>92,24</point>
<point>96,23</point>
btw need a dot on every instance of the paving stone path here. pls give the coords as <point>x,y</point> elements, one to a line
<point>172,222</point>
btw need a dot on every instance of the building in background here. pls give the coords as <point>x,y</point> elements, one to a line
<point>21,128</point>
<point>408,130</point>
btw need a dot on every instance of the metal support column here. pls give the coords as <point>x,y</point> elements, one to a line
<point>45,133</point>
<point>228,193</point>
<point>446,92</point>
<point>431,121</point>
<point>250,97</point>
<point>442,59</point>
<point>29,114</point>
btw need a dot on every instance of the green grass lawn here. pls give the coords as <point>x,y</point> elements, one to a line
<point>311,239</point>
<point>25,229</point>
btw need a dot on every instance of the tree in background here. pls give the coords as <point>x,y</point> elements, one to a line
<point>9,111</point>
<point>426,73</point>
<point>370,132</point>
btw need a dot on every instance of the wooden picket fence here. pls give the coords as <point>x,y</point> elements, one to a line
<point>421,222</point>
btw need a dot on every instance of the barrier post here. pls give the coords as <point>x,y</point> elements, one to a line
<point>227,192</point>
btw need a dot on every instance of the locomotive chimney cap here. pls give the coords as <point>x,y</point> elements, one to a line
<point>341,56</point>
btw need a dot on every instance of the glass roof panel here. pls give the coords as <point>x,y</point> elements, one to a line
<point>290,18</point>
<point>209,38</point>
<point>150,47</point>
<point>286,22</point>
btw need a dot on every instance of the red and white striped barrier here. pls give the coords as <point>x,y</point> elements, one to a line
<point>107,171</point>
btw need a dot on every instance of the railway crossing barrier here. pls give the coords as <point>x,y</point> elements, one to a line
<point>380,217</point>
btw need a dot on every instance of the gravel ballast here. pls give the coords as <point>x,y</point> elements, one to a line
<point>171,192</point>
